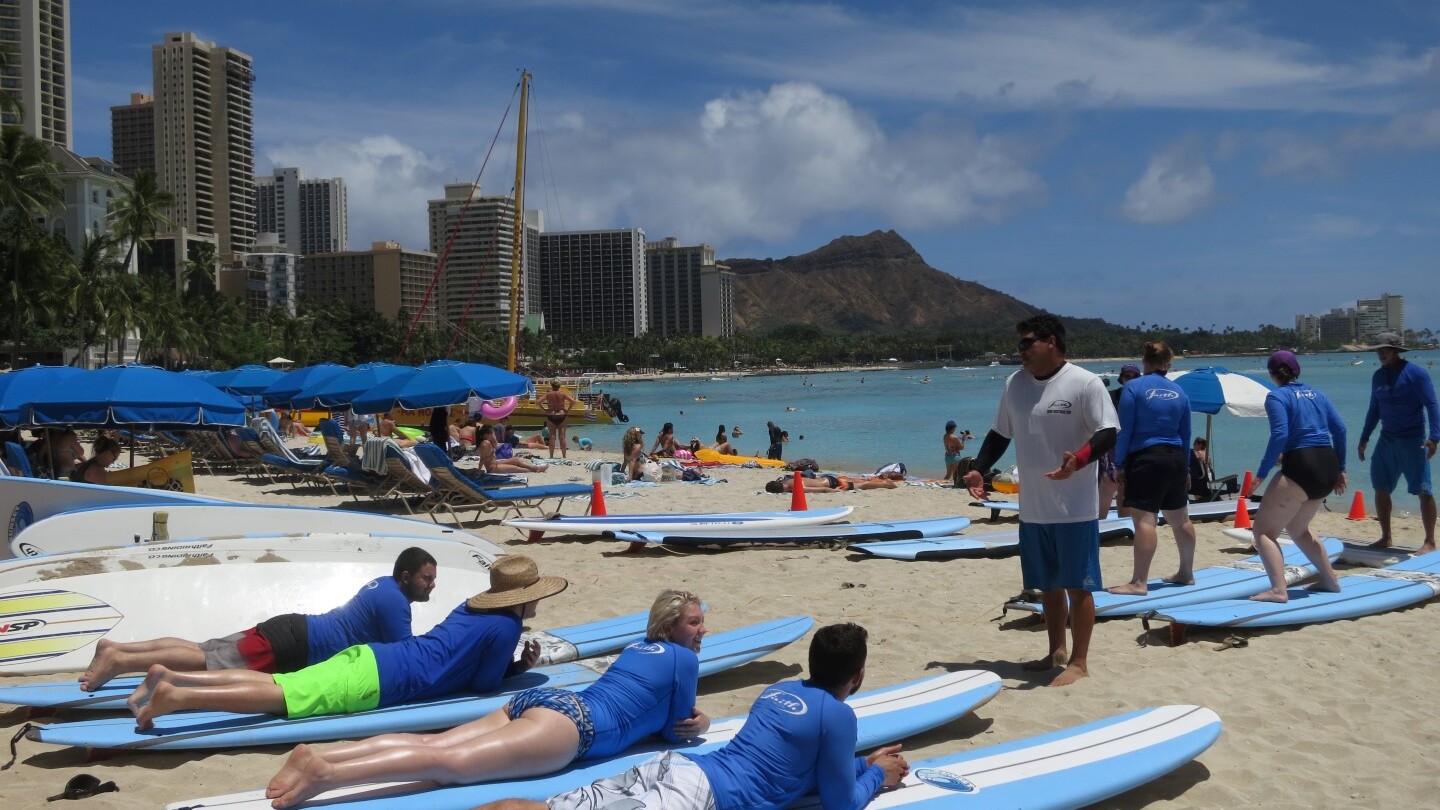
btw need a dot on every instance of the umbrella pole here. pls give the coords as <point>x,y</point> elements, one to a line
<point>1209,445</point>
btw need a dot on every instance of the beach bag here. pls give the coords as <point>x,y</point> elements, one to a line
<point>804,464</point>
<point>690,475</point>
<point>504,451</point>
<point>652,472</point>
<point>892,469</point>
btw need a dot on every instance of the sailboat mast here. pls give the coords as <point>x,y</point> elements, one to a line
<point>517,240</point>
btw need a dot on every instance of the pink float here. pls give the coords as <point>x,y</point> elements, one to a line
<point>500,411</point>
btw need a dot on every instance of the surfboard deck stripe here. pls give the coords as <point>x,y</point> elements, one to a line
<point>882,716</point>
<point>600,524</point>
<point>994,543</point>
<point>830,532</point>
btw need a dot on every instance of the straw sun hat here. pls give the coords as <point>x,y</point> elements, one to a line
<point>515,580</point>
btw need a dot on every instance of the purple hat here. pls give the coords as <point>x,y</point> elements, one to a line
<point>950,425</point>
<point>1130,368</point>
<point>1284,359</point>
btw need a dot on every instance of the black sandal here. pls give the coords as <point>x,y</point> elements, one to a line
<point>83,786</point>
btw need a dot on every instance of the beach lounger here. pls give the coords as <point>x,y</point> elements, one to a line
<point>464,492</point>
<point>279,457</point>
<point>346,469</point>
<point>16,460</point>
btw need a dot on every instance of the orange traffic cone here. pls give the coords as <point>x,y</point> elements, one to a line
<point>1249,482</point>
<point>1242,514</point>
<point>797,495</point>
<point>1357,507</point>
<point>597,499</point>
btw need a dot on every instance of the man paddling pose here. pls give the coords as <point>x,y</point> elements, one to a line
<point>472,649</point>
<point>379,611</point>
<point>798,739</point>
<point>1055,411</point>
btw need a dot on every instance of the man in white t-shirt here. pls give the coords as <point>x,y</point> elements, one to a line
<point>1057,413</point>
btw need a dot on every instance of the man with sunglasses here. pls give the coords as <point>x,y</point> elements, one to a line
<point>1059,414</point>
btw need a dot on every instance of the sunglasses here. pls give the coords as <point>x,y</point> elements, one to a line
<point>1026,343</point>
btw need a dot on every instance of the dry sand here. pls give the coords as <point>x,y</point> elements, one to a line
<point>1320,716</point>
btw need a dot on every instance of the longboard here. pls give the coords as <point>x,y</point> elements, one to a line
<point>829,532</point>
<point>1236,580</point>
<point>51,626</point>
<point>1198,512</point>
<point>978,545</point>
<point>107,526</point>
<point>719,521</point>
<point>882,716</point>
<point>1375,591</point>
<point>1356,552</point>
<point>189,730</point>
<point>24,501</point>
<point>1065,769</point>
<point>173,472</point>
<point>560,645</point>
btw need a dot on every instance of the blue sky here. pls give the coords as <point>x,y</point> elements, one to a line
<point>1226,163</point>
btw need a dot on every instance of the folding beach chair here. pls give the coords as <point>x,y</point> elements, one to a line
<point>277,456</point>
<point>464,492</point>
<point>346,469</point>
<point>16,460</point>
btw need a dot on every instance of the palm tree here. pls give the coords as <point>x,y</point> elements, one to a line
<point>122,296</point>
<point>202,267</point>
<point>88,292</point>
<point>28,189</point>
<point>138,215</point>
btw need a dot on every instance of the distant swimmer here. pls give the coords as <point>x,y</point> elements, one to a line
<point>791,408</point>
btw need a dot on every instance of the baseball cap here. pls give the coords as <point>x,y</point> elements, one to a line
<point>950,424</point>
<point>1130,368</point>
<point>1389,340</point>
<point>1284,359</point>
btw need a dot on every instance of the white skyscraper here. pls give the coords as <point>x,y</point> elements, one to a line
<point>307,215</point>
<point>37,34</point>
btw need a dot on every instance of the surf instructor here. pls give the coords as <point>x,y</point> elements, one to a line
<point>1401,395</point>
<point>379,611</point>
<point>1055,411</point>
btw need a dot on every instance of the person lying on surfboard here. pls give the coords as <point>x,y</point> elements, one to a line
<point>829,482</point>
<point>472,649</point>
<point>650,689</point>
<point>379,611</point>
<point>798,739</point>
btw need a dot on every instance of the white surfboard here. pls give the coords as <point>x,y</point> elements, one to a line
<point>109,526</point>
<point>711,522</point>
<point>52,626</point>
<point>24,501</point>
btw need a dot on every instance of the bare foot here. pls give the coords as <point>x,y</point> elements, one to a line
<point>159,705</point>
<point>102,667</point>
<point>1130,589</point>
<point>1051,661</point>
<point>1383,542</point>
<point>1178,579</point>
<point>313,781</point>
<point>1325,587</point>
<point>290,772</point>
<point>1424,549</point>
<point>142,693</point>
<point>1070,675</point>
<point>1271,596</point>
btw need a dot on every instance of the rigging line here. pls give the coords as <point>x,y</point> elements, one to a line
<point>551,193</point>
<point>450,241</point>
<point>479,274</point>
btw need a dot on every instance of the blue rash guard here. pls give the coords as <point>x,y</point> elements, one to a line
<point>1300,417</point>
<point>1400,397</point>
<point>1153,410</point>
<point>378,612</point>
<point>469,651</point>
<point>648,689</point>
<point>798,739</point>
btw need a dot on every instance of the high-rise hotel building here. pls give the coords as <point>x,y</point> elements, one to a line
<point>37,35</point>
<point>307,214</point>
<point>689,293</point>
<point>474,242</point>
<point>594,281</point>
<point>132,135</point>
<point>205,139</point>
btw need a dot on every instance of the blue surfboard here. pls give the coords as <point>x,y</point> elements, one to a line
<point>558,646</point>
<point>1237,580</point>
<point>973,545</point>
<point>827,533</point>
<point>1065,769</point>
<point>189,730</point>
<point>882,716</point>
<point>712,521</point>
<point>1375,591</point>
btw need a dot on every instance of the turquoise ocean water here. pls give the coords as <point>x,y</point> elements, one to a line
<point>857,421</point>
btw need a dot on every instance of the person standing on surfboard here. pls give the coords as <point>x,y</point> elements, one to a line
<point>472,649</point>
<point>799,739</point>
<point>1055,411</point>
<point>1401,394</point>
<point>379,611</point>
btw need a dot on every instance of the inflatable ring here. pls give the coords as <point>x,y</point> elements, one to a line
<point>500,411</point>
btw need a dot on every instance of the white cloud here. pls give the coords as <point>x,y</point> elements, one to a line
<point>1331,228</point>
<point>1176,185</point>
<point>1294,155</point>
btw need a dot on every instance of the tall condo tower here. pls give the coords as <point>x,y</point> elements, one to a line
<point>205,138</point>
<point>37,35</point>
<point>132,135</point>
<point>475,284</point>
<point>594,281</point>
<point>307,214</point>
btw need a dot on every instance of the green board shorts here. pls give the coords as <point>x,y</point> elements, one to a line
<point>345,683</point>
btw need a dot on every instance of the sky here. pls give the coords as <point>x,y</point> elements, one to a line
<point>1195,164</point>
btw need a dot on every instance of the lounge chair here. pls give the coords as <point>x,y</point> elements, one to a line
<point>17,461</point>
<point>277,456</point>
<point>464,492</point>
<point>345,469</point>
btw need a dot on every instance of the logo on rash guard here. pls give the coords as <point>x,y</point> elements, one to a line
<point>648,648</point>
<point>1308,393</point>
<point>1161,393</point>
<point>1059,406</point>
<point>372,584</point>
<point>787,702</point>
<point>946,780</point>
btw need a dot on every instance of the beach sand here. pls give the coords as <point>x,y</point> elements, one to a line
<point>1319,716</point>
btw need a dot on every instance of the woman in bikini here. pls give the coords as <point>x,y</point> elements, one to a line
<point>557,403</point>
<point>485,444</point>
<point>665,443</point>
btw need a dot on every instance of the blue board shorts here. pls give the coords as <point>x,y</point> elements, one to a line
<point>1060,555</point>
<point>1396,457</point>
<point>557,700</point>
<point>345,683</point>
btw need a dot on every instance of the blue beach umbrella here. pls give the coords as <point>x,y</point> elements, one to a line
<point>134,395</point>
<point>342,389</point>
<point>20,388</point>
<point>245,381</point>
<point>283,392</point>
<point>1212,388</point>
<point>440,383</point>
